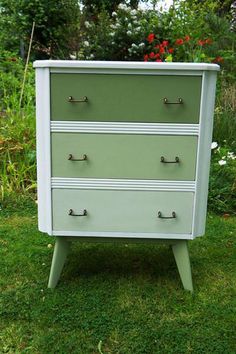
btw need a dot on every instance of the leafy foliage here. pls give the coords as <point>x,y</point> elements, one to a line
<point>17,128</point>
<point>55,23</point>
<point>222,195</point>
<point>92,8</point>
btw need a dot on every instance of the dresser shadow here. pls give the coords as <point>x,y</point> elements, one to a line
<point>120,260</point>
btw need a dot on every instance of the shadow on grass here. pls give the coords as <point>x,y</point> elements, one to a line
<point>151,263</point>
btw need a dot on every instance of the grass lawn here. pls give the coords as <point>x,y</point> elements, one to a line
<point>115,298</point>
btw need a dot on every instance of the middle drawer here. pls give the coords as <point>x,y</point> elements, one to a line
<point>124,156</point>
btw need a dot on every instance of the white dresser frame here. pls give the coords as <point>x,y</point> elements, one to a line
<point>44,128</point>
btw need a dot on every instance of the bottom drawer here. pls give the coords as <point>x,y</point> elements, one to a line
<point>122,211</point>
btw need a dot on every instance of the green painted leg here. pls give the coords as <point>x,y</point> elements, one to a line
<point>61,250</point>
<point>180,250</point>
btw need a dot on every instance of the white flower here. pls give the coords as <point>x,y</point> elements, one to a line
<point>91,56</point>
<point>122,7</point>
<point>129,33</point>
<point>87,24</point>
<point>214,145</point>
<point>223,157</point>
<point>129,26</point>
<point>114,14</point>
<point>113,26</point>
<point>133,12</point>
<point>133,45</point>
<point>141,45</point>
<point>222,162</point>
<point>49,245</point>
<point>86,43</point>
<point>231,155</point>
<point>112,34</point>
<point>72,56</point>
<point>138,29</point>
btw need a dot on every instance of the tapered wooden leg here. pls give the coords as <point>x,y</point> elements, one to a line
<point>180,250</point>
<point>61,250</point>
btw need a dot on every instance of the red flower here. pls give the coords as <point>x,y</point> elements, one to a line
<point>151,37</point>
<point>157,56</point>
<point>201,42</point>
<point>145,57</point>
<point>179,41</point>
<point>152,55</point>
<point>158,60</point>
<point>187,38</point>
<point>208,41</point>
<point>157,46</point>
<point>162,50</point>
<point>218,60</point>
<point>171,50</point>
<point>165,43</point>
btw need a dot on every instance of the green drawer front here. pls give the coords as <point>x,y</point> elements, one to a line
<point>124,156</point>
<point>122,211</point>
<point>136,98</point>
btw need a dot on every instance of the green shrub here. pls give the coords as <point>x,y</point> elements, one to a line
<point>120,37</point>
<point>225,112</point>
<point>123,36</point>
<point>222,186</point>
<point>17,128</point>
<point>55,26</point>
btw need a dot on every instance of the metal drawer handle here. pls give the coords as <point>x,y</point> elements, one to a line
<point>81,100</point>
<point>71,213</point>
<point>164,161</point>
<point>179,101</point>
<point>166,217</point>
<point>71,158</point>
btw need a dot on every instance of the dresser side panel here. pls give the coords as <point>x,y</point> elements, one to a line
<point>43,149</point>
<point>204,152</point>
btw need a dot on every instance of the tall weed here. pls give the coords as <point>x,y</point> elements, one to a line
<point>225,114</point>
<point>17,128</point>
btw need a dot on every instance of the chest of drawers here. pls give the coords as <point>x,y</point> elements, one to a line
<point>123,153</point>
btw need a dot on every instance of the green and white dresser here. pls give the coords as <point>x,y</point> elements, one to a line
<point>123,153</point>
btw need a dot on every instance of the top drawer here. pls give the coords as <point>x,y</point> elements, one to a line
<point>130,98</point>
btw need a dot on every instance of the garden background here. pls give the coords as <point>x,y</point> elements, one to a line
<point>189,31</point>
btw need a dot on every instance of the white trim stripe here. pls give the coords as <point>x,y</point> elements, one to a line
<point>122,184</point>
<point>124,128</point>
<point>135,235</point>
<point>126,72</point>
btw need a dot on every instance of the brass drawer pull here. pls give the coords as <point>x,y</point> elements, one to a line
<point>71,213</point>
<point>72,100</point>
<point>166,101</point>
<point>167,217</point>
<point>164,161</point>
<point>83,158</point>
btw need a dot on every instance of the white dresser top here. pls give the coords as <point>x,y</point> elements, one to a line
<point>124,65</point>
